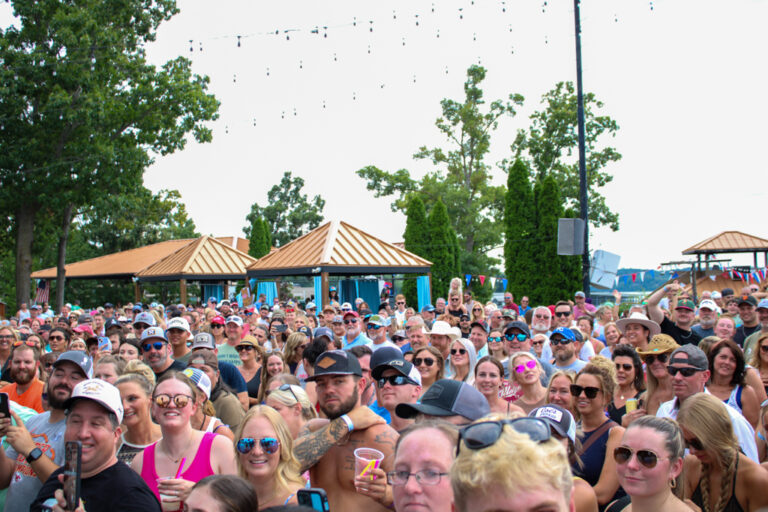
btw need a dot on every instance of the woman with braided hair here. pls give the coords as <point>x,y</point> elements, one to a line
<point>719,478</point>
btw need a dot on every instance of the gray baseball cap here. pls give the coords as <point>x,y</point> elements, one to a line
<point>448,398</point>
<point>696,357</point>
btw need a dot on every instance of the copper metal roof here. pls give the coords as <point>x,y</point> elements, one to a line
<point>729,241</point>
<point>123,264</point>
<point>338,248</point>
<point>204,258</point>
<point>241,244</point>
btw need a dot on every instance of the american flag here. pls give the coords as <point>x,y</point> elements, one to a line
<point>43,291</point>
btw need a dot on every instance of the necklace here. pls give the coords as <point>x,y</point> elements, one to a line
<point>170,455</point>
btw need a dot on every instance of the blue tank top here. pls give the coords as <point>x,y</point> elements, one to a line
<point>594,458</point>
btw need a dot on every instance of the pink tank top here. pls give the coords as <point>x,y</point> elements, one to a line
<point>199,469</point>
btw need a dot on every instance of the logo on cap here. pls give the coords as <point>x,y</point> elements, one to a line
<point>326,362</point>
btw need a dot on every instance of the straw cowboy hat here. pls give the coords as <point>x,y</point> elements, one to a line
<point>639,318</point>
<point>445,329</point>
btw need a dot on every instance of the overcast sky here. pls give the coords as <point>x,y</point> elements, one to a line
<point>684,79</point>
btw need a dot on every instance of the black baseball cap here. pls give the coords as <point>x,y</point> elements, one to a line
<point>385,354</point>
<point>480,324</point>
<point>336,362</point>
<point>522,326</point>
<point>448,398</point>
<point>748,299</point>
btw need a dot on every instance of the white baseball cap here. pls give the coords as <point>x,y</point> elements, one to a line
<point>708,304</point>
<point>101,392</point>
<point>200,379</point>
<point>235,320</point>
<point>177,323</point>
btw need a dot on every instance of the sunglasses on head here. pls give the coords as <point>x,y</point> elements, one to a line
<point>559,341</point>
<point>25,342</point>
<point>495,339</point>
<point>270,445</point>
<point>687,372</point>
<point>394,380</point>
<point>482,435</point>
<point>158,345</point>
<point>528,364</point>
<point>164,400</point>
<point>426,361</point>
<point>350,321</point>
<point>662,358</point>
<point>286,387</point>
<point>589,391</point>
<point>518,337</point>
<point>622,455</point>
<point>461,351</point>
<point>626,367</point>
<point>561,314</point>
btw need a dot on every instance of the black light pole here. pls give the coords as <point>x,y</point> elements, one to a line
<point>582,151</point>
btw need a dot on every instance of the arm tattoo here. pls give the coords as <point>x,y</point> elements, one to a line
<point>309,449</point>
<point>387,438</point>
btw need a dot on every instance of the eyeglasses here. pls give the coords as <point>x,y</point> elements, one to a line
<point>25,342</point>
<point>687,372</point>
<point>622,455</point>
<point>394,380</point>
<point>539,342</point>
<point>373,326</point>
<point>164,400</point>
<point>286,387</point>
<point>217,326</point>
<point>270,445</point>
<point>662,358</point>
<point>350,321</point>
<point>625,367</point>
<point>52,338</point>
<point>424,477</point>
<point>559,341</point>
<point>518,337</point>
<point>461,351</point>
<point>158,345</point>
<point>494,339</point>
<point>561,314</point>
<point>426,361</point>
<point>482,435</point>
<point>589,391</point>
<point>247,348</point>
<point>528,364</point>
<point>694,444</point>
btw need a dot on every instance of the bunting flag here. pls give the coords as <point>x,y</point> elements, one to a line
<point>493,283</point>
<point>634,277</point>
<point>468,278</point>
<point>482,279</point>
<point>504,283</point>
<point>762,273</point>
<point>675,275</point>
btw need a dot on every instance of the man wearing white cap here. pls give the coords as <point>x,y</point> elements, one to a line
<point>94,413</point>
<point>441,337</point>
<point>708,311</point>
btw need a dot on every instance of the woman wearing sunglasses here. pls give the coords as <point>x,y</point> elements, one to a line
<point>217,328</point>
<point>649,462</point>
<point>489,379</point>
<point>658,379</point>
<point>526,371</point>
<point>292,403</point>
<point>478,313</point>
<point>496,346</point>
<point>429,362</point>
<point>265,457</point>
<point>463,360</point>
<point>719,477</point>
<point>182,451</point>
<point>759,359</point>
<point>277,337</point>
<point>630,380</point>
<point>593,392</point>
<point>728,380</point>
<point>250,355</point>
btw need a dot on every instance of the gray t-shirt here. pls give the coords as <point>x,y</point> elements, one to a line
<point>25,484</point>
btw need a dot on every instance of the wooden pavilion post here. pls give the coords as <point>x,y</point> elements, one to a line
<point>183,290</point>
<point>136,292</point>
<point>325,288</point>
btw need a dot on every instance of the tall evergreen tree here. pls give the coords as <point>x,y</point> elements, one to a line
<point>416,241</point>
<point>442,243</point>
<point>520,230</point>
<point>259,240</point>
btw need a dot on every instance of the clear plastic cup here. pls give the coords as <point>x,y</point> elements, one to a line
<point>367,459</point>
<point>167,502</point>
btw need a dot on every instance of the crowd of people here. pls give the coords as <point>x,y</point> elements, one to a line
<point>460,405</point>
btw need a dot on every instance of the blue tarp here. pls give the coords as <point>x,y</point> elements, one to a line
<point>422,288</point>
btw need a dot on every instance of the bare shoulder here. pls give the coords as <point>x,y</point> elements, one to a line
<point>222,443</point>
<point>616,434</point>
<point>754,474</point>
<point>382,434</point>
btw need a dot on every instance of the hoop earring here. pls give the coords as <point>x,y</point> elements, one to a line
<point>672,483</point>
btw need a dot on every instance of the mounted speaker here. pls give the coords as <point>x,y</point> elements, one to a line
<point>570,237</point>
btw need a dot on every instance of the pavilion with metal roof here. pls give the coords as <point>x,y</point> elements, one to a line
<point>337,248</point>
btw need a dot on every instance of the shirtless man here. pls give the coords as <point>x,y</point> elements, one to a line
<point>328,452</point>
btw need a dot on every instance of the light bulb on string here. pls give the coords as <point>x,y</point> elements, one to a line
<point>394,15</point>
<point>282,115</point>
<point>651,5</point>
<point>446,70</point>
<point>234,78</point>
<point>323,103</point>
<point>191,49</point>
<point>254,121</point>
<point>354,96</point>
<point>370,28</point>
<point>414,78</point>
<point>267,71</point>
<point>433,7</point>
<point>226,130</point>
<point>201,46</point>
<point>238,41</point>
<point>294,112</point>
<point>438,33</point>
<point>369,49</point>
<point>503,7</point>
<point>354,21</point>
<point>403,41</point>
<point>417,20</point>
<point>334,58</point>
<point>474,36</point>
<point>301,64</point>
<point>461,13</point>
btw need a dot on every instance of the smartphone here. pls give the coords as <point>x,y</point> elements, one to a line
<point>4,408</point>
<point>105,344</point>
<point>314,497</point>
<point>281,327</point>
<point>73,451</point>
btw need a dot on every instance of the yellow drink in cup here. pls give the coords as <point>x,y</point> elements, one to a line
<point>631,404</point>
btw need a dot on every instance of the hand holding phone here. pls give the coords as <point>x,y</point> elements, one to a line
<point>73,451</point>
<point>314,497</point>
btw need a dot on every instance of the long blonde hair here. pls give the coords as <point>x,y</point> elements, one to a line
<point>288,468</point>
<point>755,360</point>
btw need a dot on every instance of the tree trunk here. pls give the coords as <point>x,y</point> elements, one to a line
<point>25,224</point>
<point>61,275</point>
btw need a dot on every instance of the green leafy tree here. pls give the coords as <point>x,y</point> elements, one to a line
<point>83,111</point>
<point>416,241</point>
<point>260,242</point>
<point>551,146</point>
<point>461,179</point>
<point>520,230</point>
<point>441,249</point>
<point>289,214</point>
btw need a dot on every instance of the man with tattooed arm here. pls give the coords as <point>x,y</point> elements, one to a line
<point>328,451</point>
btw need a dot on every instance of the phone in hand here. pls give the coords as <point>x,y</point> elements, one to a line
<point>314,497</point>
<point>105,344</point>
<point>4,406</point>
<point>281,327</point>
<point>73,451</point>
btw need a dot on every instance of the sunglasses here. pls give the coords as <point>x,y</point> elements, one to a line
<point>400,303</point>
<point>25,342</point>
<point>141,326</point>
<point>625,367</point>
<point>270,445</point>
<point>158,345</point>
<point>687,372</point>
<point>540,342</point>
<point>763,348</point>
<point>217,326</point>
<point>622,455</point>
<point>286,387</point>
<point>518,337</point>
<point>562,314</point>
<point>247,348</point>
<point>373,326</point>
<point>394,380</point>
<point>694,444</point>
<point>55,338</point>
<point>426,361</point>
<point>559,341</point>
<point>521,367</point>
<point>589,391</point>
<point>477,309</point>
<point>461,351</point>
<point>662,358</point>
<point>495,339</point>
<point>180,401</point>
<point>351,321</point>
<point>482,435</point>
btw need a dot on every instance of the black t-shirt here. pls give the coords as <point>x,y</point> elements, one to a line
<point>116,488</point>
<point>681,337</point>
<point>175,365</point>
<point>743,332</point>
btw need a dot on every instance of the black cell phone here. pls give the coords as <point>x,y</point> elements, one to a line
<point>73,452</point>
<point>281,327</point>
<point>4,408</point>
<point>314,497</point>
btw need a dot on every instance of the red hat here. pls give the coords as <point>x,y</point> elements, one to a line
<point>353,313</point>
<point>218,320</point>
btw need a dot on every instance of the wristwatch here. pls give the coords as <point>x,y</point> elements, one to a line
<point>35,454</point>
